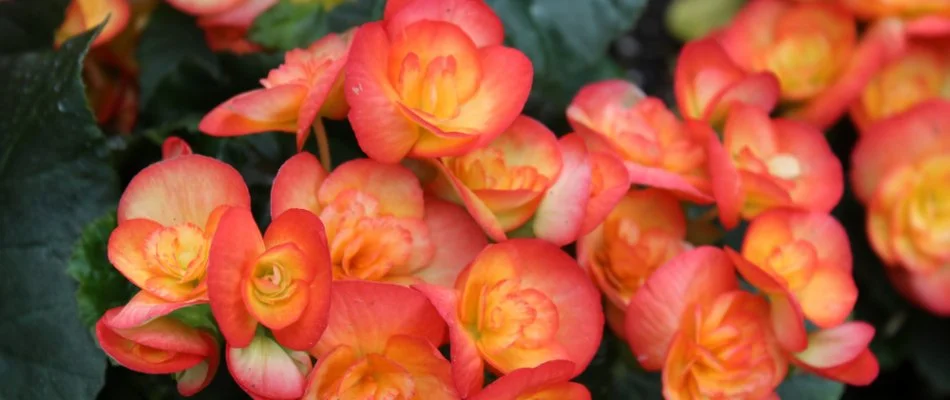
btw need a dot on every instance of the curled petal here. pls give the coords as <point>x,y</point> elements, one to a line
<point>235,247</point>
<point>175,146</point>
<point>551,378</point>
<point>841,353</point>
<point>161,346</point>
<point>261,110</point>
<point>144,307</point>
<point>266,370</point>
<point>196,378</point>
<point>560,216</point>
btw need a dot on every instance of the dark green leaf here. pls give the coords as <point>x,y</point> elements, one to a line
<point>101,286</point>
<point>171,39</point>
<point>289,24</point>
<point>29,24</point>
<point>54,179</point>
<point>567,40</point>
<point>803,386</point>
<point>929,347</point>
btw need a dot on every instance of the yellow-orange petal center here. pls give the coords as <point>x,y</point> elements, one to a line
<point>926,209</point>
<point>179,253</point>
<point>376,377</point>
<point>150,354</point>
<point>630,255</point>
<point>794,262</point>
<point>512,316</point>
<point>487,169</point>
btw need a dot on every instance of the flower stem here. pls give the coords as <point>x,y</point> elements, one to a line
<point>322,144</point>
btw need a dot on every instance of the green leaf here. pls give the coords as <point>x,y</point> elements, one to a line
<point>29,24</point>
<point>101,286</point>
<point>170,40</point>
<point>803,386</point>
<point>55,178</point>
<point>294,24</point>
<point>928,348</point>
<point>567,40</point>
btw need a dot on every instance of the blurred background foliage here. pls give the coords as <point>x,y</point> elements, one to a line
<point>61,175</point>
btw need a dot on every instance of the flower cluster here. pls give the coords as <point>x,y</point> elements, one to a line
<point>450,231</point>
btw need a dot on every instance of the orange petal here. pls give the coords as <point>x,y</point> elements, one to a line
<point>473,16</point>
<point>183,189</point>
<point>325,379</point>
<point>757,276</point>
<point>394,186</point>
<point>431,372</point>
<point>175,146</point>
<point>362,316</point>
<point>202,7</point>
<point>528,381</point>
<point>610,183</point>
<point>144,307</point>
<point>460,240</point>
<point>266,370</point>
<point>126,249</point>
<point>234,248</point>
<point>196,378</point>
<point>305,231</point>
<point>912,135</point>
<point>475,206</point>
<point>297,184</point>
<point>468,369</point>
<point>829,297</point>
<point>382,131</point>
<point>788,322</point>
<point>654,312</point>
<point>561,214</point>
<point>260,110</point>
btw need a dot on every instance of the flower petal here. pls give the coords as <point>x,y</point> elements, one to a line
<point>382,131</point>
<point>474,17</point>
<point>394,186</point>
<point>836,346</point>
<point>364,315</point>
<point>196,378</point>
<point>175,146</point>
<point>432,373</point>
<point>460,240</point>
<point>181,190</point>
<point>297,184</point>
<point>144,307</point>
<point>235,246</point>
<point>264,369</point>
<point>527,381</point>
<point>260,110</point>
<point>654,312</point>
<point>829,297</point>
<point>202,7</point>
<point>126,249</point>
<point>560,215</point>
<point>475,206</point>
<point>788,322</point>
<point>468,369</point>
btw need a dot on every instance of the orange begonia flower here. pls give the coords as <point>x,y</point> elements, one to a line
<point>901,168</point>
<point>306,87</point>
<point>161,345</point>
<point>802,261</point>
<point>281,280</point>
<point>813,49</point>
<point>166,219</point>
<point>83,15</point>
<point>658,149</point>
<point>521,303</point>
<point>710,339</point>
<point>920,74</point>
<point>433,80</point>
<point>380,226</point>
<point>774,163</point>
<point>841,354</point>
<point>644,231</point>
<point>548,381</point>
<point>381,343</point>
<point>267,371</point>
<point>707,83</point>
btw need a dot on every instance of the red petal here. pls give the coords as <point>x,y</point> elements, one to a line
<point>175,146</point>
<point>236,244</point>
<point>836,346</point>
<point>184,189</point>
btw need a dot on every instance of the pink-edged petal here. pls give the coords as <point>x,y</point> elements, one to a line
<point>726,183</point>
<point>305,231</point>
<point>382,131</point>
<point>829,297</point>
<point>788,322</point>
<point>202,7</point>
<point>296,185</point>
<point>175,146</point>
<point>395,187</point>
<point>266,370</point>
<point>184,189</point>
<point>836,346</point>
<point>759,90</point>
<point>820,183</point>
<point>661,178</point>
<point>560,216</point>
<point>610,182</point>
<point>859,372</point>
<point>144,307</point>
<point>120,349</point>
<point>527,381</point>
<point>460,239</point>
<point>468,369</point>
<point>260,110</point>
<point>195,379</point>
<point>653,315</point>
<point>474,17</point>
<point>364,315</point>
<point>475,206</point>
<point>236,244</point>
